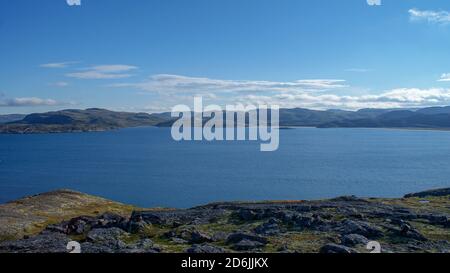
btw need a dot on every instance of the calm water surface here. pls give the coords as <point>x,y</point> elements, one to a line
<point>145,167</point>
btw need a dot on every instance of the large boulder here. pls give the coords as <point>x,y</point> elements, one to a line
<point>188,234</point>
<point>354,239</point>
<point>271,227</point>
<point>46,242</point>
<point>239,236</point>
<point>83,224</point>
<point>360,227</point>
<point>337,249</point>
<point>105,234</point>
<point>197,237</point>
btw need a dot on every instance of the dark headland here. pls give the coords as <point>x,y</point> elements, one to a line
<point>94,119</point>
<point>47,222</point>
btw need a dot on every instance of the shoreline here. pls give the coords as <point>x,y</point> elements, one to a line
<point>419,129</point>
<point>374,128</point>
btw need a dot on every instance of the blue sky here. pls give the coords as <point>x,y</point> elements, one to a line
<point>148,55</point>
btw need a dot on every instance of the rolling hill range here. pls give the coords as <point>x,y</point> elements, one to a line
<point>95,119</point>
<point>428,118</point>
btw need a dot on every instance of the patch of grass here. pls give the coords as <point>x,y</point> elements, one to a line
<point>440,204</point>
<point>432,232</point>
<point>130,238</point>
<point>302,242</point>
<point>152,231</point>
<point>168,246</point>
<point>4,238</point>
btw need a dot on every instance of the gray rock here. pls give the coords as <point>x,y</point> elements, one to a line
<point>360,227</point>
<point>406,230</point>
<point>354,239</point>
<point>75,226</point>
<point>310,221</point>
<point>205,248</point>
<point>192,235</point>
<point>286,216</point>
<point>337,249</point>
<point>219,236</point>
<point>237,237</point>
<point>88,247</point>
<point>250,214</point>
<point>301,221</point>
<point>109,220</point>
<point>105,235</point>
<point>188,234</point>
<point>143,246</point>
<point>245,244</point>
<point>46,242</point>
<point>83,224</point>
<point>136,227</point>
<point>110,241</point>
<point>271,227</point>
<point>176,218</point>
<point>198,237</point>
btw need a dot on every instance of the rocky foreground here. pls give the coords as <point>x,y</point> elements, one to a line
<point>46,223</point>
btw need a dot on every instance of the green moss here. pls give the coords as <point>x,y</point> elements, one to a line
<point>432,232</point>
<point>130,238</point>
<point>303,242</point>
<point>152,231</point>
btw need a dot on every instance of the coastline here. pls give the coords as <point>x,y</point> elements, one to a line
<point>281,128</point>
<point>374,128</point>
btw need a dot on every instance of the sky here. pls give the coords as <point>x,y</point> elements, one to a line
<point>150,55</point>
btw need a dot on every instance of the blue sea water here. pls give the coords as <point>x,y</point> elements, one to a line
<point>145,167</point>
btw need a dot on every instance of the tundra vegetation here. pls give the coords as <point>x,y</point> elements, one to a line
<point>47,222</point>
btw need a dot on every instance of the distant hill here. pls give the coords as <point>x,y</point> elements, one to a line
<point>11,118</point>
<point>93,119</point>
<point>427,118</point>
<point>434,110</point>
<point>315,118</point>
<point>100,119</point>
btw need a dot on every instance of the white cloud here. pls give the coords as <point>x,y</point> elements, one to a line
<point>17,102</point>
<point>57,65</point>
<point>374,2</point>
<point>395,98</point>
<point>431,16</point>
<point>104,72</point>
<point>445,77</point>
<point>165,83</point>
<point>314,94</point>
<point>73,2</point>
